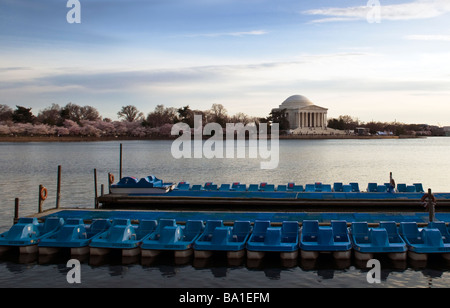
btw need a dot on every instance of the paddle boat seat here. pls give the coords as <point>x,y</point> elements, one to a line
<point>355,187</point>
<point>122,235</point>
<point>422,241</point>
<point>315,239</point>
<point>419,187</point>
<point>224,238</point>
<point>240,187</point>
<point>74,234</point>
<point>381,188</point>
<point>410,188</point>
<point>347,188</point>
<point>310,188</point>
<point>170,236</point>
<point>282,188</point>
<point>401,187</point>
<point>326,188</point>
<point>338,187</point>
<point>253,187</point>
<point>383,239</point>
<point>224,187</point>
<point>372,187</point>
<point>210,186</point>
<point>282,239</point>
<point>318,186</point>
<point>183,186</point>
<point>269,187</point>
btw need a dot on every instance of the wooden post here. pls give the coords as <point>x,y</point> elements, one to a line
<point>16,210</point>
<point>120,164</point>
<point>95,188</point>
<point>58,187</point>
<point>430,206</point>
<point>102,190</point>
<point>109,181</point>
<point>40,199</point>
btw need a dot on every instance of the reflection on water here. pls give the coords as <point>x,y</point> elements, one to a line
<point>26,165</point>
<point>217,271</point>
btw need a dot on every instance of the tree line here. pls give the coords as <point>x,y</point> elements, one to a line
<point>75,120</point>
<point>350,124</point>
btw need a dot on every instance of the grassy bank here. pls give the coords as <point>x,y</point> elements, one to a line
<point>119,138</point>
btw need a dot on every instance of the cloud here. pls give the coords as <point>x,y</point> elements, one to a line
<point>237,34</point>
<point>419,9</point>
<point>428,37</point>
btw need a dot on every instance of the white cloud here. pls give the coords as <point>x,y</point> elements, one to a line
<point>419,9</point>
<point>429,37</point>
<point>237,34</point>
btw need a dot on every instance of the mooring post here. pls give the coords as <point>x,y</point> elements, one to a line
<point>95,188</point>
<point>58,187</point>
<point>110,181</point>
<point>120,162</point>
<point>431,205</point>
<point>41,189</point>
<point>16,210</point>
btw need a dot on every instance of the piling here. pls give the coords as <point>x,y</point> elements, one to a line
<point>58,188</point>
<point>431,205</point>
<point>110,181</point>
<point>42,197</point>
<point>16,211</point>
<point>120,162</point>
<point>95,188</point>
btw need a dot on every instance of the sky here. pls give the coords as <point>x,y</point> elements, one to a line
<point>374,60</point>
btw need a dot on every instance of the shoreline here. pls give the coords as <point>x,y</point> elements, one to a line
<point>125,138</point>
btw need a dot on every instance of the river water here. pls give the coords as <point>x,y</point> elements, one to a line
<point>26,165</point>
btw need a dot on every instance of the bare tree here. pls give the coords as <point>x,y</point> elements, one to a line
<point>50,115</point>
<point>89,113</point>
<point>130,113</point>
<point>219,114</point>
<point>161,116</point>
<point>5,113</point>
<point>77,113</point>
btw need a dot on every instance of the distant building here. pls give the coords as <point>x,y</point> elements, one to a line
<point>302,113</point>
<point>362,131</point>
<point>306,118</point>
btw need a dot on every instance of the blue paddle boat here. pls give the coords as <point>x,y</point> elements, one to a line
<point>432,239</point>
<point>317,239</point>
<point>170,236</point>
<point>218,237</point>
<point>74,234</point>
<point>266,238</point>
<point>122,235</point>
<point>27,233</point>
<point>382,239</point>
<point>147,185</point>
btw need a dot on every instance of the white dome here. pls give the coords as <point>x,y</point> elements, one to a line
<point>296,101</point>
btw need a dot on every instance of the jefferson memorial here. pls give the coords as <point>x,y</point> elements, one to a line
<point>304,117</point>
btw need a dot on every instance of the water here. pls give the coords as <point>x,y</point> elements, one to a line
<point>26,165</point>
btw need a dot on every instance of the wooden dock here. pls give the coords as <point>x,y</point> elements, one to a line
<point>118,201</point>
